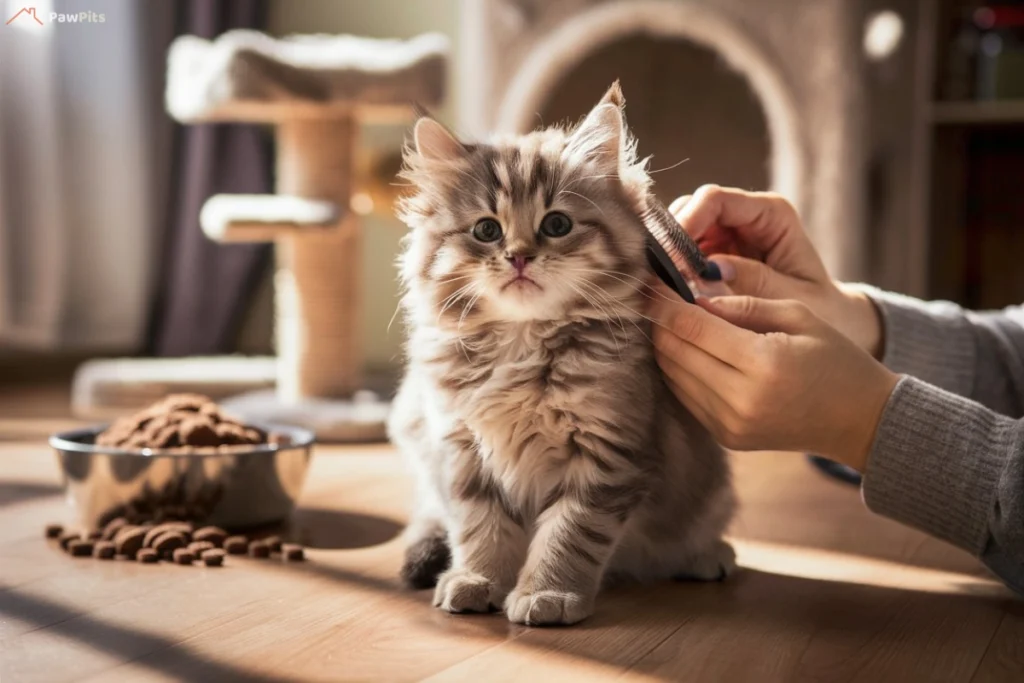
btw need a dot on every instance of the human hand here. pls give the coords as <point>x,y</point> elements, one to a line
<point>770,375</point>
<point>759,244</point>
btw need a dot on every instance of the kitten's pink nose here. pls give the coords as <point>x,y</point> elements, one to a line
<point>519,262</point>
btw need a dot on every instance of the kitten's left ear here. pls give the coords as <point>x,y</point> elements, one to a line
<point>598,139</point>
<point>435,142</point>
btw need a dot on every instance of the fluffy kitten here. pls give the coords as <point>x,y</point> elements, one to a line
<point>549,454</point>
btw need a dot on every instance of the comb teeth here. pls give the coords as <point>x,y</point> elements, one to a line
<point>672,238</point>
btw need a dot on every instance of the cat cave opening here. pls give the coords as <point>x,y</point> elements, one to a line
<point>701,97</point>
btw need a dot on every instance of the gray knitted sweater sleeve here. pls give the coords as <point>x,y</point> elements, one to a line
<point>948,456</point>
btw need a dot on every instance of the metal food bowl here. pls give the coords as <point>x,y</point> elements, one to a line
<point>235,487</point>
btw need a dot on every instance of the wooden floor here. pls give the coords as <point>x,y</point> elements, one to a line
<point>826,592</point>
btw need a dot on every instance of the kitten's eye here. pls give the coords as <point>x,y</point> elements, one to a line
<point>487,230</point>
<point>555,224</point>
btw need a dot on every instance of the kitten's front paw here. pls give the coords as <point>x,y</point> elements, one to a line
<point>460,590</point>
<point>547,608</point>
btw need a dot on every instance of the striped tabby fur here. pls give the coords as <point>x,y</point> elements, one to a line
<point>549,455</point>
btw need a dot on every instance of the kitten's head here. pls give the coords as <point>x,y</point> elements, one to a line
<point>542,226</point>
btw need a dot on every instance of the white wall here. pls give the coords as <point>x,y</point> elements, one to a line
<point>380,19</point>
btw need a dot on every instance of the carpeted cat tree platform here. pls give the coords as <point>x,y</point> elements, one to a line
<point>314,91</point>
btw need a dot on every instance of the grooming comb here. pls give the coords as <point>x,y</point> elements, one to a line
<point>668,244</point>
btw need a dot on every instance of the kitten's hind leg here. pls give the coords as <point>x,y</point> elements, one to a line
<point>714,563</point>
<point>427,554</point>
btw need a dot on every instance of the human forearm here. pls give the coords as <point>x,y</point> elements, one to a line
<point>976,355</point>
<point>952,468</point>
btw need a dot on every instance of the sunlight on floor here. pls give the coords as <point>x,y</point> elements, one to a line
<point>827,565</point>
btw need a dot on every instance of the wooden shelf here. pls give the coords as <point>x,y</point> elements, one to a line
<point>978,113</point>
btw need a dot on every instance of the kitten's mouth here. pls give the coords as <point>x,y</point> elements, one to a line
<point>520,282</point>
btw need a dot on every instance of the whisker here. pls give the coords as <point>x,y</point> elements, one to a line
<point>582,197</point>
<point>607,297</point>
<point>394,315</point>
<point>612,273</point>
<point>450,300</point>
<point>669,168</point>
<point>607,320</point>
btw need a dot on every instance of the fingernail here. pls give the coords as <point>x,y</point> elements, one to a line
<point>711,272</point>
<point>723,270</point>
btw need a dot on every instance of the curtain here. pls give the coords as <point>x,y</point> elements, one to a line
<point>205,287</point>
<point>75,188</point>
<point>100,247</point>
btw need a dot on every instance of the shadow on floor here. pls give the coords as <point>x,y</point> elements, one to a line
<point>755,626</point>
<point>336,530</point>
<point>12,492</point>
<point>123,643</point>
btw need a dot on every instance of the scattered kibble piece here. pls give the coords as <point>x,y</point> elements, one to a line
<point>214,557</point>
<point>159,530</point>
<point>183,556</point>
<point>147,556</point>
<point>112,527</point>
<point>104,550</point>
<point>128,541</point>
<point>259,549</point>
<point>173,541</point>
<point>168,542</point>
<point>236,545</point>
<point>292,553</point>
<point>211,534</point>
<point>80,548</point>
<point>67,537</point>
<point>197,547</point>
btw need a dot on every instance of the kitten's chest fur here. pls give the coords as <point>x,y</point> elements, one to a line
<point>524,391</point>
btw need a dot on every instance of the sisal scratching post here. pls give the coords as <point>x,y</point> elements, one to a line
<point>314,91</point>
<point>318,278</point>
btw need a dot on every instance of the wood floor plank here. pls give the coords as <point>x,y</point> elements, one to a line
<point>1003,661</point>
<point>828,592</point>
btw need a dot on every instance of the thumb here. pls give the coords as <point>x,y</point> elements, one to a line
<point>761,315</point>
<point>753,278</point>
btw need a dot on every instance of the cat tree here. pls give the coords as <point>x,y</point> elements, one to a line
<point>314,91</point>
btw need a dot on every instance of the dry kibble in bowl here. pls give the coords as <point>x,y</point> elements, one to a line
<point>184,422</point>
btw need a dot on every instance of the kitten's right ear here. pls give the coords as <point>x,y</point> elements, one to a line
<point>614,96</point>
<point>435,142</point>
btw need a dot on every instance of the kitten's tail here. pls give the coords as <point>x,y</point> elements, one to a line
<point>426,557</point>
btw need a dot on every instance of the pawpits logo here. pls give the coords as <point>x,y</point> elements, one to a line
<point>30,15</point>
